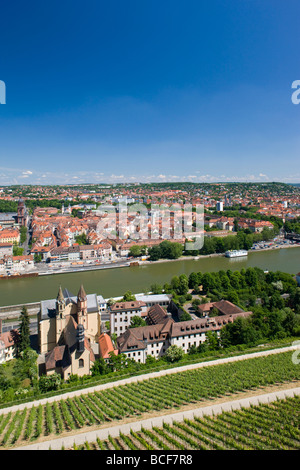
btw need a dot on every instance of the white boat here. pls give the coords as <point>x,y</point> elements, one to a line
<point>236,253</point>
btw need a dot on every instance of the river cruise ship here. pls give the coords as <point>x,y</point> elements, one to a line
<point>236,253</point>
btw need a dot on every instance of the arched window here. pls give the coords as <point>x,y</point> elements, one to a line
<point>81,363</point>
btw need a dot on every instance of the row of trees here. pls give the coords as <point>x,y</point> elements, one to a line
<point>243,239</point>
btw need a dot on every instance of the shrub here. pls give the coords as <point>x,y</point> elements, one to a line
<point>174,353</point>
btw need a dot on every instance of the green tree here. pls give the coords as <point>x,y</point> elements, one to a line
<point>135,251</point>
<point>137,321</point>
<point>24,332</point>
<point>51,382</point>
<point>212,340</point>
<point>23,233</point>
<point>17,250</point>
<point>156,288</point>
<point>183,285</point>
<point>174,353</point>
<point>193,280</point>
<point>128,296</point>
<point>81,239</point>
<point>175,283</point>
<point>99,367</point>
<point>154,253</point>
<point>37,258</point>
<point>117,362</point>
<point>185,316</point>
<point>214,312</point>
<point>232,296</point>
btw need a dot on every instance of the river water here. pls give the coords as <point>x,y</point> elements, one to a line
<point>115,281</point>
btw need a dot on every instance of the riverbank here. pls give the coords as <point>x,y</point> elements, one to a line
<point>214,255</point>
<point>112,282</point>
<point>124,264</point>
<point>93,267</point>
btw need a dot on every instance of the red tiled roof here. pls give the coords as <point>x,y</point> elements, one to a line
<point>106,346</point>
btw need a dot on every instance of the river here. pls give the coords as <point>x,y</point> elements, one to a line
<point>116,281</point>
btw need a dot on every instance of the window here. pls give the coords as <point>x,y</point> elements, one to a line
<point>81,363</point>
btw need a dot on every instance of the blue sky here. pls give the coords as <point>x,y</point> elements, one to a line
<point>152,90</point>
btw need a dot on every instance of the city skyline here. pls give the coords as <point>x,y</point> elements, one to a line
<point>149,92</point>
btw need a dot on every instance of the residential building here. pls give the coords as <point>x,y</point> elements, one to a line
<point>7,344</point>
<point>23,262</point>
<point>155,339</point>
<point>193,332</point>
<point>9,235</point>
<point>8,219</point>
<point>101,303</point>
<point>152,340</point>
<point>6,249</point>
<point>121,314</point>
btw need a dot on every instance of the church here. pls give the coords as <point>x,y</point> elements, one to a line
<point>68,332</point>
<point>22,216</point>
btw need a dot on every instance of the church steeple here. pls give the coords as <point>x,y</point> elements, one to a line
<point>60,295</point>
<point>81,294</point>
<point>82,307</point>
<point>60,302</point>
<point>60,313</point>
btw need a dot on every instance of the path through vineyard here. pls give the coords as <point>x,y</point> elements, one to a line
<point>148,420</point>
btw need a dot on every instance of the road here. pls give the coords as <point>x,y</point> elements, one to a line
<point>33,326</point>
<point>45,269</point>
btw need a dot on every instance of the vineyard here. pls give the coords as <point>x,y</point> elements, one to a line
<point>264,427</point>
<point>137,399</point>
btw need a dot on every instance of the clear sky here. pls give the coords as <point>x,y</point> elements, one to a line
<point>149,90</point>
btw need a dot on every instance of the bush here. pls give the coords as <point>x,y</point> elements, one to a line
<point>174,353</point>
<point>51,382</point>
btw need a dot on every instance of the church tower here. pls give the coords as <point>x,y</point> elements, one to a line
<point>60,313</point>
<point>82,318</point>
<point>21,212</point>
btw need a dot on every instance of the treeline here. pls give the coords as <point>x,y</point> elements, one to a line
<point>292,226</point>
<point>243,240</point>
<point>8,206</point>
<point>273,297</point>
<point>246,288</point>
<point>165,250</point>
<point>31,204</point>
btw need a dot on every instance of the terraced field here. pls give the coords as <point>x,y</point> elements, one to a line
<point>273,426</point>
<point>137,399</point>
